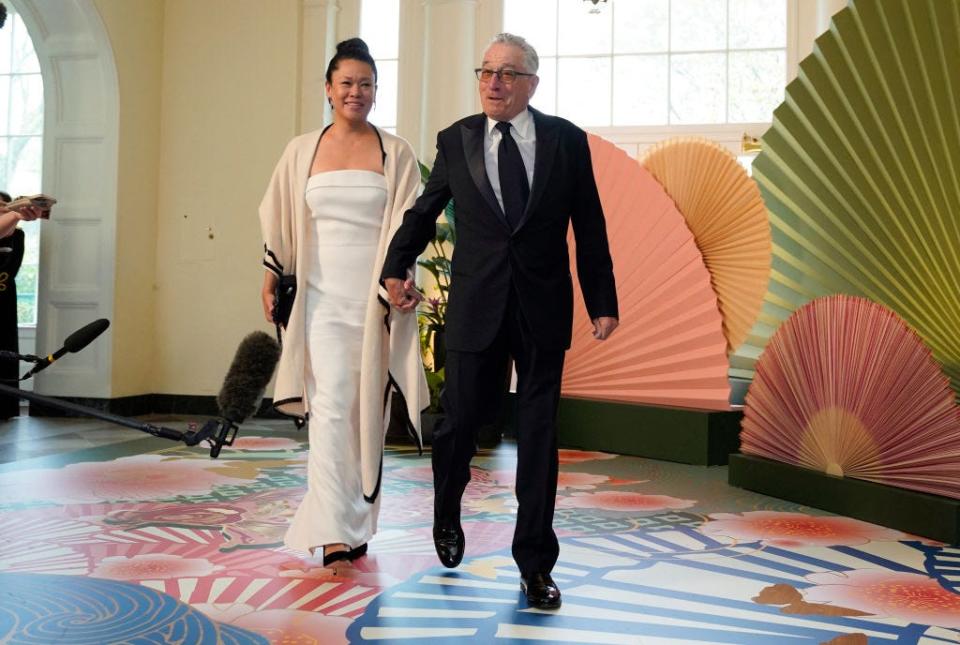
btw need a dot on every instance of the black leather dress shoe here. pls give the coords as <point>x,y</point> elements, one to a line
<point>449,542</point>
<point>541,590</point>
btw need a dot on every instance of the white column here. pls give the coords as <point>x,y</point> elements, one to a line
<point>318,43</point>
<point>811,18</point>
<point>448,88</point>
<point>411,72</point>
<point>348,20</point>
<point>825,11</point>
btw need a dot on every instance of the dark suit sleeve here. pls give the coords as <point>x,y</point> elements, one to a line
<point>419,222</point>
<point>594,266</point>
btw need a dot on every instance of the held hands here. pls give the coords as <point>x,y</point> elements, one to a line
<point>604,326</point>
<point>403,294</point>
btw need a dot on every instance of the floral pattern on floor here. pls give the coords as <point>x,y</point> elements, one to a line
<point>641,555</point>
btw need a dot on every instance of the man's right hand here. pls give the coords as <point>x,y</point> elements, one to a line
<point>403,294</point>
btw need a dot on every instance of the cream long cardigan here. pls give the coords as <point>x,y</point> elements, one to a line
<point>390,355</point>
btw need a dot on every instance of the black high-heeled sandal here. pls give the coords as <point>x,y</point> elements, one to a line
<point>336,556</point>
<point>358,552</point>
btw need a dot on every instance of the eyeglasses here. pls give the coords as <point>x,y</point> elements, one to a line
<point>506,76</point>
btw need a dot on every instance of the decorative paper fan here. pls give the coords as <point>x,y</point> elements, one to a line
<point>861,172</point>
<point>725,211</point>
<point>846,387</point>
<point>669,348</point>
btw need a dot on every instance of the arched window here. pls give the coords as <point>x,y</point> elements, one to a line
<point>21,144</point>
<point>380,28</point>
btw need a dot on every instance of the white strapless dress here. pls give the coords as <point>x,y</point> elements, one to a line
<point>347,212</point>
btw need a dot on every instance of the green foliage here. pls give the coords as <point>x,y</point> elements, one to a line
<point>26,310</point>
<point>433,311</point>
<point>27,279</point>
<point>435,385</point>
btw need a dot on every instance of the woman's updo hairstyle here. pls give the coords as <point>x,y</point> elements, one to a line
<point>351,49</point>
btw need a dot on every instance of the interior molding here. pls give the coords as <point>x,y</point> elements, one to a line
<point>80,158</point>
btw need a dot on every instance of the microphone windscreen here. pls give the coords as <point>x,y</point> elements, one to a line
<point>85,335</point>
<point>248,376</point>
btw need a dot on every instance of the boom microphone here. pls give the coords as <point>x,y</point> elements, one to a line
<point>248,376</point>
<point>74,343</point>
<point>242,390</point>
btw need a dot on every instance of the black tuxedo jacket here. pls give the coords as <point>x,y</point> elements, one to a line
<point>489,259</point>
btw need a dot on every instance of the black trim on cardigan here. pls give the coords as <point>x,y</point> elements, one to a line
<point>411,431</point>
<point>383,153</point>
<point>278,268</point>
<point>376,130</point>
<point>376,491</point>
<point>391,383</point>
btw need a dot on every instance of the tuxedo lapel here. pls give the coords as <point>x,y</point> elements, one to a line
<point>546,147</point>
<point>471,133</point>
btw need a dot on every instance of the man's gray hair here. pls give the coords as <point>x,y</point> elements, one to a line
<point>530,59</point>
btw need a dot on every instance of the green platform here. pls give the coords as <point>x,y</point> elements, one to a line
<point>930,516</point>
<point>687,436</point>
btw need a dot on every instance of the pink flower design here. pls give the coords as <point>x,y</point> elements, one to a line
<point>508,478</point>
<point>413,508</point>
<point>795,529</point>
<point>413,474</point>
<point>577,456</point>
<point>158,566</point>
<point>143,477</point>
<point>624,501</point>
<point>485,537</point>
<point>273,444</point>
<point>259,519</point>
<point>424,474</point>
<point>193,515</point>
<point>912,597</point>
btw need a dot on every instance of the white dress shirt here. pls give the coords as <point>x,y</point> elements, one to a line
<point>524,133</point>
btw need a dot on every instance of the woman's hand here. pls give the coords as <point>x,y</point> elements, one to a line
<point>268,294</point>
<point>30,208</point>
<point>10,217</point>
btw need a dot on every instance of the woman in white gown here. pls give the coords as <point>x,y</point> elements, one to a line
<point>332,205</point>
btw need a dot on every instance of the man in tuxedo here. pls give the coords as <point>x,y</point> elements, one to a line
<point>518,178</point>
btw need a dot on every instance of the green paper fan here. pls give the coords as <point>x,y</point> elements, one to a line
<point>861,174</point>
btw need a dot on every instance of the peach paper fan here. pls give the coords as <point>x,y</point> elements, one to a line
<point>669,349</point>
<point>723,207</point>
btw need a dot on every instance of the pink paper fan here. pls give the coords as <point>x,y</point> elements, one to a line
<point>846,387</point>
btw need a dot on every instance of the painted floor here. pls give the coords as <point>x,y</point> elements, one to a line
<point>111,536</point>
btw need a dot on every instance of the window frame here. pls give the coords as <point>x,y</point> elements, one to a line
<point>635,139</point>
<point>391,127</point>
<point>18,29</point>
